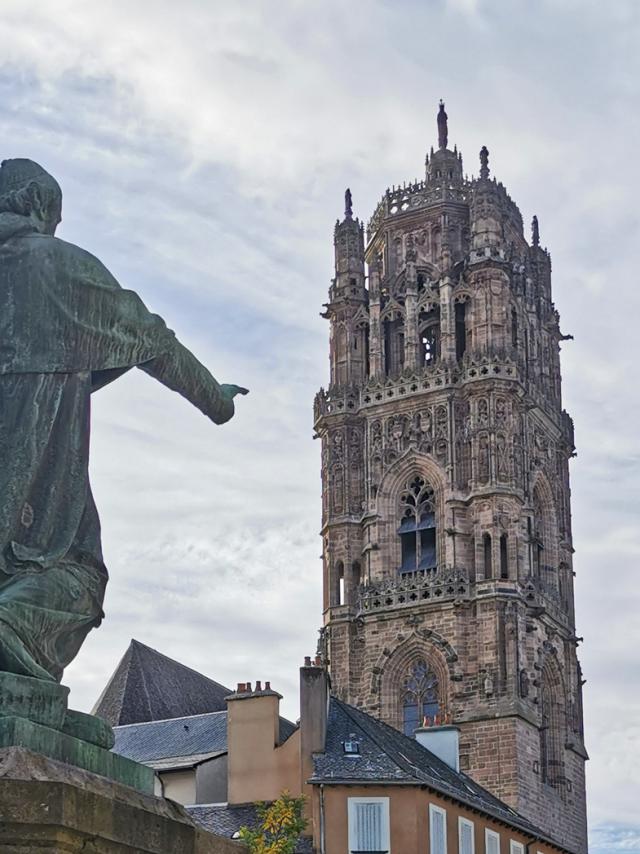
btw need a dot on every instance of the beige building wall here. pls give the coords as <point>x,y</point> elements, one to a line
<point>409,821</point>
<point>258,768</point>
<point>180,786</point>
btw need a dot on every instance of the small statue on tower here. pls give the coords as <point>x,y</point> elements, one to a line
<point>443,133</point>
<point>348,204</point>
<point>535,232</point>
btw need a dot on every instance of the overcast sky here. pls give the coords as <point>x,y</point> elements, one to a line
<point>203,149</point>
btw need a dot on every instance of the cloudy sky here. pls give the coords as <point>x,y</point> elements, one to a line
<point>203,148</point>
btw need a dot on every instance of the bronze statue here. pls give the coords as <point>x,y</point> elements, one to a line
<point>67,328</point>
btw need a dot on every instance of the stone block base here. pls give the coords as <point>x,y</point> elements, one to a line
<point>19,732</point>
<point>50,808</point>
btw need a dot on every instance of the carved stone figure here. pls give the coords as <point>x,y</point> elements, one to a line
<point>67,329</point>
<point>442,126</point>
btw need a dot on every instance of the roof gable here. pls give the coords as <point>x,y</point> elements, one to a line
<point>389,756</point>
<point>149,686</point>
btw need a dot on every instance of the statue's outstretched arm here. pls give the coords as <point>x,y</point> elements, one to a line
<point>180,371</point>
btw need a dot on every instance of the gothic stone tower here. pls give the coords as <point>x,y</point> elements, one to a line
<point>448,582</point>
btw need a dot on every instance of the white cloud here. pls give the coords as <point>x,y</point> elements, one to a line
<point>203,149</point>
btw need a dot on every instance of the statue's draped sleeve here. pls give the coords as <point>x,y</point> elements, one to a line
<point>62,311</point>
<point>180,371</point>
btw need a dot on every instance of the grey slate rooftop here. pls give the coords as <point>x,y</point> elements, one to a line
<point>226,820</point>
<point>149,686</point>
<point>192,738</point>
<point>389,756</point>
<point>179,742</point>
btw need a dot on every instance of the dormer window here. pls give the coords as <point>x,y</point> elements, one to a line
<point>351,746</point>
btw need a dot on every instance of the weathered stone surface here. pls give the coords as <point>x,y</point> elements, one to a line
<point>47,807</point>
<point>18,732</point>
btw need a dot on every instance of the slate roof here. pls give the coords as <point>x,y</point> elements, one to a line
<point>389,756</point>
<point>149,686</point>
<point>179,742</point>
<point>226,820</point>
<point>197,735</point>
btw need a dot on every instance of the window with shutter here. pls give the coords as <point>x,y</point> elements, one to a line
<point>466,840</point>
<point>437,830</point>
<point>491,842</point>
<point>368,825</point>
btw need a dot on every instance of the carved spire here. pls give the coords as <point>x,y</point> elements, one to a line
<point>348,204</point>
<point>535,233</point>
<point>443,133</point>
<point>484,162</point>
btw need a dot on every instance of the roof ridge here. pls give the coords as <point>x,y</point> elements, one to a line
<point>178,663</point>
<point>133,645</point>
<point>105,690</point>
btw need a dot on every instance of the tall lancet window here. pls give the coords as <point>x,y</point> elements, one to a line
<point>461,329</point>
<point>418,526</point>
<point>420,697</point>
<point>430,336</point>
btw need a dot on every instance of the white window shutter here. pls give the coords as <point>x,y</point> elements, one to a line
<point>465,833</point>
<point>368,824</point>
<point>369,827</point>
<point>437,830</point>
<point>492,842</point>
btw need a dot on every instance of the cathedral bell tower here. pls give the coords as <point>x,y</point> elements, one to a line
<point>447,554</point>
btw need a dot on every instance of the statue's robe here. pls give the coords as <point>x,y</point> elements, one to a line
<point>67,328</point>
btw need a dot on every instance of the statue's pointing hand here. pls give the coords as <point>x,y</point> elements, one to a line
<point>230,391</point>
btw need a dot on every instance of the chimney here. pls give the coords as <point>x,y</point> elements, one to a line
<point>314,701</point>
<point>253,728</point>
<point>443,741</point>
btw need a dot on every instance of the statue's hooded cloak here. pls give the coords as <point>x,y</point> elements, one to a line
<point>61,311</point>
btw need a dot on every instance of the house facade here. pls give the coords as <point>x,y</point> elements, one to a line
<point>368,787</point>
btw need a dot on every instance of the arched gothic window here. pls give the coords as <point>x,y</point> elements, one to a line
<point>420,697</point>
<point>461,329</point>
<point>514,329</point>
<point>337,588</point>
<point>504,556</point>
<point>487,555</point>
<point>551,729</point>
<point>418,526</point>
<point>393,335</point>
<point>430,336</point>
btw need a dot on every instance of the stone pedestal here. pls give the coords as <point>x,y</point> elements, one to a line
<point>47,807</point>
<point>34,715</point>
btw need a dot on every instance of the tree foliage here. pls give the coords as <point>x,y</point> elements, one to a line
<point>281,825</point>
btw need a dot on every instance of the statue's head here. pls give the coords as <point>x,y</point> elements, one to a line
<point>27,189</point>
